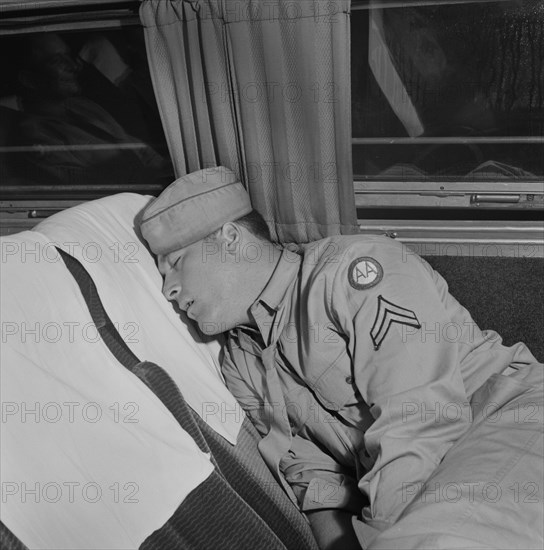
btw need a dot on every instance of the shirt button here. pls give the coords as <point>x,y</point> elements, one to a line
<point>349,380</point>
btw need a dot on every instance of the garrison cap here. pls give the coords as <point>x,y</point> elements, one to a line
<point>192,207</point>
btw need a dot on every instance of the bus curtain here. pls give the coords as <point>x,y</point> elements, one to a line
<point>262,88</point>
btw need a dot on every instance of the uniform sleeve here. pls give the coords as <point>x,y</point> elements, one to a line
<point>318,481</point>
<point>405,359</point>
<point>316,478</point>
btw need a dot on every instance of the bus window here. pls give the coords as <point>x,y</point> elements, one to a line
<point>79,115</point>
<point>448,97</point>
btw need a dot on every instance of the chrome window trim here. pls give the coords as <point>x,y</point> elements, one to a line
<point>463,238</point>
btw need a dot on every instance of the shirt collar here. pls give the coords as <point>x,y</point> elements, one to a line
<point>284,274</point>
<point>269,302</point>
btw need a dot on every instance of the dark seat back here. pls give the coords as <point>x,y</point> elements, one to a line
<point>502,294</point>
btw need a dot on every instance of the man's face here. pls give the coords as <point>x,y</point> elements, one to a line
<point>207,284</point>
<point>56,73</point>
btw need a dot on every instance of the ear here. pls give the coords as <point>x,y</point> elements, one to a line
<point>231,236</point>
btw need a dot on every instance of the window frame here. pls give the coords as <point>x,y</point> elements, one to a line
<point>468,197</point>
<point>21,208</point>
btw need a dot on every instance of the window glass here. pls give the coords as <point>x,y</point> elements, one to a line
<point>448,91</point>
<point>78,112</point>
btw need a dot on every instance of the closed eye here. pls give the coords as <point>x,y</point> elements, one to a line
<point>176,262</point>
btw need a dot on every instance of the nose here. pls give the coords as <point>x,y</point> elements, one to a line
<point>171,289</point>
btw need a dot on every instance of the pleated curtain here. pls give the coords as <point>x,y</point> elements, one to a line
<point>262,87</point>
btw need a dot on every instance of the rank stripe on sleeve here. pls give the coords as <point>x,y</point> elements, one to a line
<point>387,314</point>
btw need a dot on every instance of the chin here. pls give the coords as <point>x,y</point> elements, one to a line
<point>212,328</point>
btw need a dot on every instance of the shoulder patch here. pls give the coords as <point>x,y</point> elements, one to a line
<point>387,314</point>
<point>364,272</point>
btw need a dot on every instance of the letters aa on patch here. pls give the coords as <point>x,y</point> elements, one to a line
<point>364,273</point>
<point>387,314</point>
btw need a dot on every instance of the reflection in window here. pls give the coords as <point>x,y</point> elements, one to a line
<point>449,91</point>
<point>78,109</point>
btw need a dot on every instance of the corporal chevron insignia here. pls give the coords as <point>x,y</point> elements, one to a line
<point>387,314</point>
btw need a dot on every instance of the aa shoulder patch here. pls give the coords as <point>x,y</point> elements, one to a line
<point>364,273</point>
<point>387,314</point>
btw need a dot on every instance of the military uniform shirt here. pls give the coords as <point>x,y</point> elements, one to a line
<point>375,364</point>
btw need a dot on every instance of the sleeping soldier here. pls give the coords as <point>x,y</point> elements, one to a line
<point>388,415</point>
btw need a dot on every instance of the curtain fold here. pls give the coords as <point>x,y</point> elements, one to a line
<point>263,88</point>
<point>187,60</point>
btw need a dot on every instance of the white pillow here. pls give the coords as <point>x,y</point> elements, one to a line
<point>101,235</point>
<point>90,457</point>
